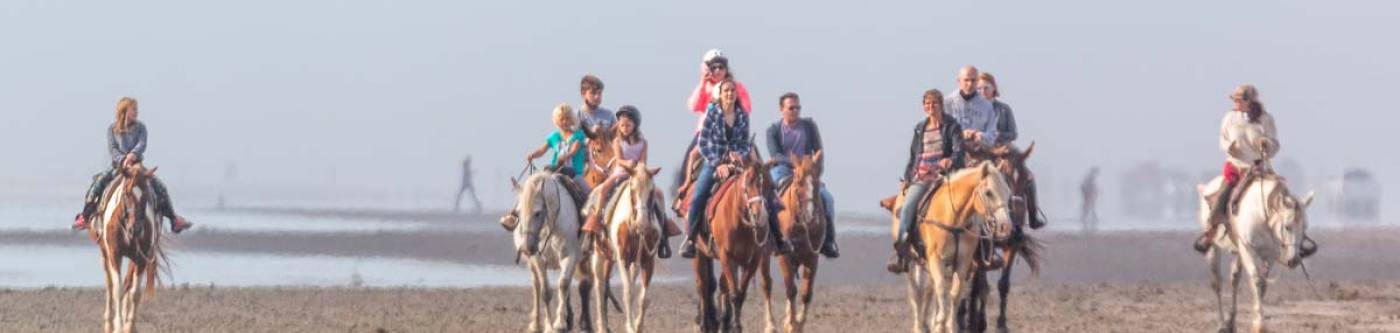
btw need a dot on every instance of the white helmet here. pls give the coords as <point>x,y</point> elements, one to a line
<point>712,54</point>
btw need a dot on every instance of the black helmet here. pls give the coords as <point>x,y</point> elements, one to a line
<point>630,112</point>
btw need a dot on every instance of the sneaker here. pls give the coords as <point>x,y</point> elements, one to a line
<point>180,224</point>
<point>80,222</point>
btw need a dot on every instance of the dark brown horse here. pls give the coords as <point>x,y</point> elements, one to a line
<point>804,225</point>
<point>128,230</point>
<point>1011,240</point>
<point>737,215</point>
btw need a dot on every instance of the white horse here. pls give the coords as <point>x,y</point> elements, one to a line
<point>547,234</point>
<point>1270,224</point>
<point>632,240</point>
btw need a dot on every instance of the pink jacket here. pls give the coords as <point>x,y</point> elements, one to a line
<point>700,99</point>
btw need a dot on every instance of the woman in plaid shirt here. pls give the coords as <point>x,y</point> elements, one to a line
<point>723,137</point>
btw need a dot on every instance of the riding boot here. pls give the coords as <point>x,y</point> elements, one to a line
<point>94,194</point>
<point>166,208</point>
<point>779,245</point>
<point>1033,207</point>
<point>509,220</point>
<point>1218,216</point>
<point>688,247</point>
<point>829,248</point>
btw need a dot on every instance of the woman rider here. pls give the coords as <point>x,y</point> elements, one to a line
<point>1248,137</point>
<point>935,151</point>
<point>126,142</point>
<point>724,137</point>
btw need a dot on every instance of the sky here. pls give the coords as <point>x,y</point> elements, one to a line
<point>389,96</point>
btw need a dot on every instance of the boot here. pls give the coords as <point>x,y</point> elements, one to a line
<point>688,248</point>
<point>509,221</point>
<point>80,222</point>
<point>664,252</point>
<point>829,248</point>
<point>594,224</point>
<point>1037,218</point>
<point>179,224</point>
<point>1217,217</point>
<point>897,263</point>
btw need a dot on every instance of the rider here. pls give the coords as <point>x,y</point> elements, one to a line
<point>1248,137</point>
<point>126,142</point>
<point>567,144</point>
<point>935,151</point>
<point>714,68</point>
<point>724,137</point>
<point>1006,133</point>
<point>593,118</point>
<point>797,136</point>
<point>630,148</point>
<point>973,112</point>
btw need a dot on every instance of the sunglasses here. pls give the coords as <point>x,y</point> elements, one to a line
<point>716,68</point>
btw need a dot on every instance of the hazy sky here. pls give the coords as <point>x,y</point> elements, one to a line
<point>389,95</point>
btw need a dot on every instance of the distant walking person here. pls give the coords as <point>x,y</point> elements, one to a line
<point>467,187</point>
<point>1089,192</point>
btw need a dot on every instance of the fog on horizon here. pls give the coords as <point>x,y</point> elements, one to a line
<point>388,97</point>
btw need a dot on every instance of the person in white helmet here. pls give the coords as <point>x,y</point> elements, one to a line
<point>714,68</point>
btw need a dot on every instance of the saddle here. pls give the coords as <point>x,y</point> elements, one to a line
<point>1232,202</point>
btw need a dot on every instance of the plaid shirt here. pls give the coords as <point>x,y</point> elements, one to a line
<point>717,139</point>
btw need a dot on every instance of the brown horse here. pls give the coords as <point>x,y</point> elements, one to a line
<point>631,241</point>
<point>737,215</point>
<point>128,230</point>
<point>950,231</point>
<point>600,156</point>
<point>1011,240</point>
<point>804,225</point>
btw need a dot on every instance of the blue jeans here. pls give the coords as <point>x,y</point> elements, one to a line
<point>782,172</point>
<point>908,214</point>
<point>700,196</point>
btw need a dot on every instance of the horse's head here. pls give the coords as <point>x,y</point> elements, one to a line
<point>1290,226</point>
<point>643,186</point>
<point>802,189</point>
<point>533,210</point>
<point>993,195</point>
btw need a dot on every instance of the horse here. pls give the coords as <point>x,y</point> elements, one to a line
<point>600,158</point>
<point>128,229</point>
<point>547,234</point>
<point>1269,228</point>
<point>1011,240</point>
<point>804,225</point>
<point>631,241</point>
<point>952,228</point>
<point>737,214</point>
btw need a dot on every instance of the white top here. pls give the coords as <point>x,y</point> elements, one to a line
<point>1237,130</point>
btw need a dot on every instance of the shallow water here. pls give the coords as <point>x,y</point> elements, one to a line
<point>71,266</point>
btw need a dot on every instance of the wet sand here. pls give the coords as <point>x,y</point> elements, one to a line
<point>1112,282</point>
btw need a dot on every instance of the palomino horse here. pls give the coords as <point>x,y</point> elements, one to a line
<point>1272,224</point>
<point>129,228</point>
<point>737,215</point>
<point>632,239</point>
<point>804,225</point>
<point>955,223</point>
<point>547,233</point>
<point>1013,242</point>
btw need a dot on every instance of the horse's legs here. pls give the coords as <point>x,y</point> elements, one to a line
<point>602,272</point>
<point>939,304</point>
<point>1004,290</point>
<point>1258,282</point>
<point>955,296</point>
<point>916,292</point>
<point>789,271</point>
<point>1213,260</point>
<point>115,291</point>
<point>136,271</point>
<point>585,297</point>
<point>1235,271</point>
<point>765,277</point>
<point>648,268</point>
<point>974,306</point>
<point>627,271</point>
<point>808,289</point>
<point>705,287</point>
<point>538,288</point>
<point>562,310</point>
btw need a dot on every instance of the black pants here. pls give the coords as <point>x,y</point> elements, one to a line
<point>100,181</point>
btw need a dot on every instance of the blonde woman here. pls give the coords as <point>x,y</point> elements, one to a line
<point>126,142</point>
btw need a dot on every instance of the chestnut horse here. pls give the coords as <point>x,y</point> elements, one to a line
<point>737,215</point>
<point>600,158</point>
<point>128,229</point>
<point>804,225</point>
<point>631,240</point>
<point>951,230</point>
<point>1012,241</point>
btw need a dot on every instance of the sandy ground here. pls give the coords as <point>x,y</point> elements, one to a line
<point>1115,282</point>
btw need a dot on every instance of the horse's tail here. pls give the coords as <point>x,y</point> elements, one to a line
<point>157,262</point>
<point>1031,250</point>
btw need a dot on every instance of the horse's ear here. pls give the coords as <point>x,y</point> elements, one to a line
<point>1307,199</point>
<point>987,168</point>
<point>816,157</point>
<point>888,204</point>
<point>514,185</point>
<point>151,172</point>
<point>1201,189</point>
<point>1025,155</point>
<point>654,171</point>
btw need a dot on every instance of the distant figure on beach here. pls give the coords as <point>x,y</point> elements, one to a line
<point>467,186</point>
<point>1089,192</point>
